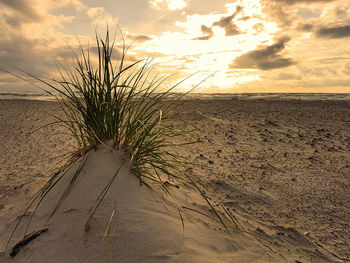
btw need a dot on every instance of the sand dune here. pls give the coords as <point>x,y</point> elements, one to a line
<point>280,167</point>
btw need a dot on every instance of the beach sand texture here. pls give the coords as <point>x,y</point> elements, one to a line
<point>282,167</point>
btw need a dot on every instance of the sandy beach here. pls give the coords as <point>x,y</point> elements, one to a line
<point>281,167</point>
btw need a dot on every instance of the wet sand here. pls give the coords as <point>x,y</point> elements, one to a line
<point>281,166</point>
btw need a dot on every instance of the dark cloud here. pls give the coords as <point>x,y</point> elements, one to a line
<point>333,32</point>
<point>25,54</point>
<point>266,58</point>
<point>283,11</point>
<point>278,12</point>
<point>226,23</point>
<point>12,21</point>
<point>35,58</point>
<point>139,38</point>
<point>207,33</point>
<point>23,8</point>
<point>245,18</point>
<point>325,32</point>
<point>305,27</point>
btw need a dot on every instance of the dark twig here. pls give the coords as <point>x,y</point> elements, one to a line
<point>26,240</point>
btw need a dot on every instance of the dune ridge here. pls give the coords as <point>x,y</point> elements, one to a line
<point>143,229</point>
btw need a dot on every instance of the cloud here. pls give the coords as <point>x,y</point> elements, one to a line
<point>18,12</point>
<point>346,69</point>
<point>138,38</point>
<point>76,4</point>
<point>26,54</point>
<point>341,10</point>
<point>306,27</point>
<point>168,4</point>
<point>278,12</point>
<point>207,33</point>
<point>333,32</point>
<point>176,4</point>
<point>23,7</point>
<point>290,12</point>
<point>200,7</point>
<point>226,23</point>
<point>95,11</point>
<point>101,17</point>
<point>335,59</point>
<point>30,39</point>
<point>289,2</point>
<point>307,13</point>
<point>245,18</point>
<point>288,76</point>
<point>266,58</point>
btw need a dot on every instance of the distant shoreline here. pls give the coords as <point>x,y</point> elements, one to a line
<point>243,96</point>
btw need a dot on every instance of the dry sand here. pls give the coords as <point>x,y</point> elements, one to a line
<point>281,167</point>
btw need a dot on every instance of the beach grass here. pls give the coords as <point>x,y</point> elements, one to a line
<point>122,105</point>
<point>119,105</point>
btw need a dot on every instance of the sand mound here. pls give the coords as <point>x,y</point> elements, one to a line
<point>144,228</point>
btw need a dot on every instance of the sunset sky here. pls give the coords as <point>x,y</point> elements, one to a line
<point>252,45</point>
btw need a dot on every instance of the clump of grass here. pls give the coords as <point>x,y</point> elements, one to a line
<point>107,101</point>
<point>123,106</point>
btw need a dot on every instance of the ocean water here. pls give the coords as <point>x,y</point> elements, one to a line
<point>277,96</point>
<point>241,96</point>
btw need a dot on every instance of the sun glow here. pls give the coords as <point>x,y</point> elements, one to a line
<point>168,4</point>
<point>206,46</point>
<point>176,4</point>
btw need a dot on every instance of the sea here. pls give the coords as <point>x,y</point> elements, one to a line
<point>240,96</point>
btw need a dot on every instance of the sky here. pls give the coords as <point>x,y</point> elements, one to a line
<point>249,45</point>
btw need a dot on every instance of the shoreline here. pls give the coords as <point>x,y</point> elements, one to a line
<point>215,96</point>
